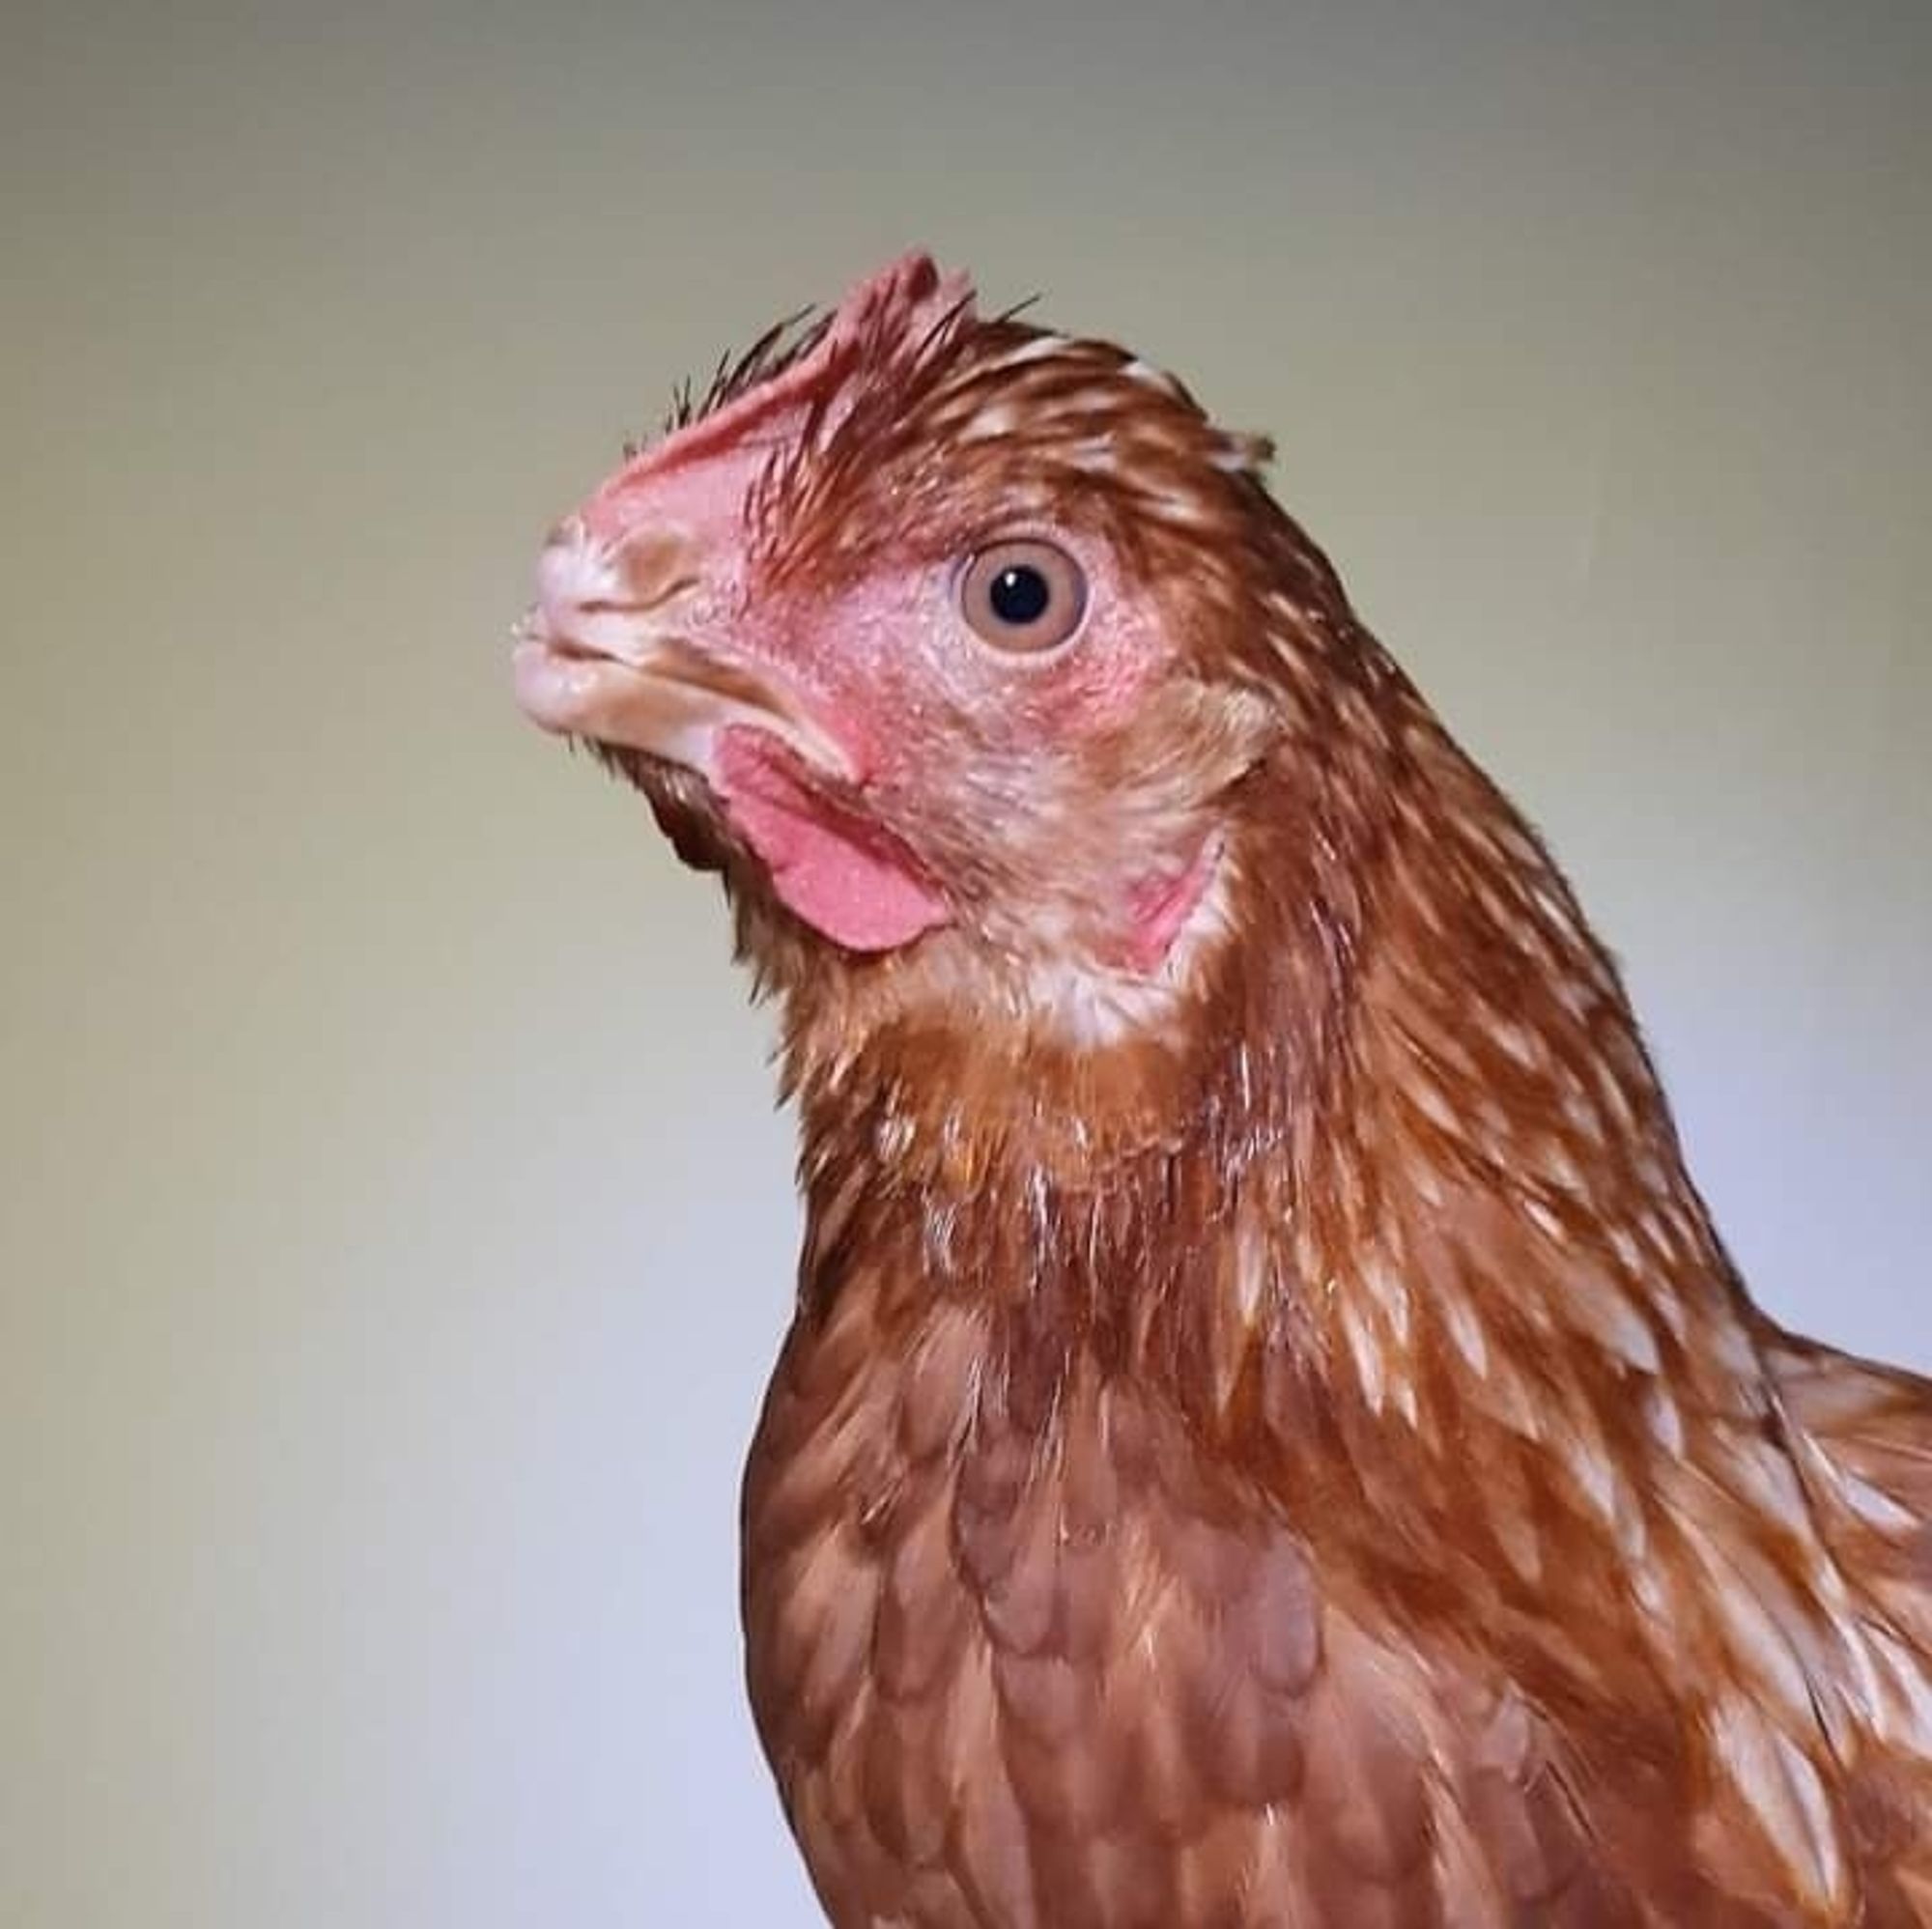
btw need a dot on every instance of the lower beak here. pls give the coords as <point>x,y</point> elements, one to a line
<point>667,698</point>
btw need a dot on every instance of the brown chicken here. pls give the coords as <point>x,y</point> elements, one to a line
<point>1269,1435</point>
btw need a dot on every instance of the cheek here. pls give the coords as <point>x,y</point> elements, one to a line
<point>1090,694</point>
<point>875,664</point>
<point>921,701</point>
<point>1105,682</point>
<point>858,663</point>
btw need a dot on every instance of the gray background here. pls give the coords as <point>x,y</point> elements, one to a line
<point>396,1230</point>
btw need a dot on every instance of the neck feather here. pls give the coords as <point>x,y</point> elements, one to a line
<point>1397,1187</point>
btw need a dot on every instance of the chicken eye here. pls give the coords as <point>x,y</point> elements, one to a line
<point>1024,597</point>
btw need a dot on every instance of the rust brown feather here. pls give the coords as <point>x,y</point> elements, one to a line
<point>1307,1459</point>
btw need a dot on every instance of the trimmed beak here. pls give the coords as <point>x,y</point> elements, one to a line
<point>604,654</point>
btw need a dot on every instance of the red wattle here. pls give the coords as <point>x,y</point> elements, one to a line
<point>849,880</point>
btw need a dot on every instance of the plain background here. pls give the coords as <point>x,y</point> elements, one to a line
<point>396,1227</point>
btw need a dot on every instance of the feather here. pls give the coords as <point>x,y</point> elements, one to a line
<point>1270,1433</point>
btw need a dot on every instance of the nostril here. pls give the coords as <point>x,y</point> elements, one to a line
<point>656,565</point>
<point>604,596</point>
<point>634,573</point>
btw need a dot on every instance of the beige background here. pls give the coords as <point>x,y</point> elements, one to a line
<point>396,1230</point>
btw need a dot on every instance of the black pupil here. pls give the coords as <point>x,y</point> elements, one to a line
<point>1019,594</point>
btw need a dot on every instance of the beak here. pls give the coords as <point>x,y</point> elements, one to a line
<point>604,654</point>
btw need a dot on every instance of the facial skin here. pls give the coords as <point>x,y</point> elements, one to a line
<point>916,672</point>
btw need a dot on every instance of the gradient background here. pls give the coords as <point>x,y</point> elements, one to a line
<point>396,1229</point>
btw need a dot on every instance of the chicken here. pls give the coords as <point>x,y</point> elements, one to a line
<point>1269,1435</point>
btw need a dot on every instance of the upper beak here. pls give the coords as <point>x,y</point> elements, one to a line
<point>604,653</point>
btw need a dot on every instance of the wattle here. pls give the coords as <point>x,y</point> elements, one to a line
<point>850,880</point>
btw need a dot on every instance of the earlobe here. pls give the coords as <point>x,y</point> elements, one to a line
<point>1160,907</point>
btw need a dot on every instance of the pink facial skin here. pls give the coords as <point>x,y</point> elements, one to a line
<point>854,734</point>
